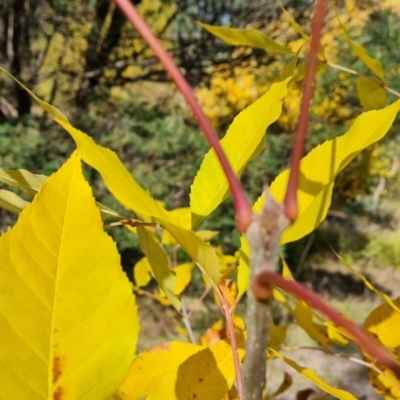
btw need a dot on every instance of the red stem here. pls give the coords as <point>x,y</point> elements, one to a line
<point>242,205</point>
<point>262,288</point>
<point>290,202</point>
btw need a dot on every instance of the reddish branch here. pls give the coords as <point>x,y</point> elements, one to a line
<point>291,206</point>
<point>262,288</point>
<point>242,205</point>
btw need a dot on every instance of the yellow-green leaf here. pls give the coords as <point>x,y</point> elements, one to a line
<point>313,377</point>
<point>384,322</point>
<point>67,312</point>
<point>375,66</point>
<point>246,37</point>
<point>158,260</point>
<point>142,272</point>
<point>130,194</point>
<point>24,180</point>
<point>208,374</point>
<point>319,168</point>
<point>11,202</point>
<point>243,277</point>
<point>371,94</point>
<point>150,367</point>
<point>46,106</point>
<point>244,139</point>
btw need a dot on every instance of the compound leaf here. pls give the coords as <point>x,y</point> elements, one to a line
<point>130,194</point>
<point>67,311</point>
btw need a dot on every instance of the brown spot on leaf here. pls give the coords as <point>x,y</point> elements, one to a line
<point>57,371</point>
<point>58,394</point>
<point>201,379</point>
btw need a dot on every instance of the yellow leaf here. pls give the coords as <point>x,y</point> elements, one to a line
<point>31,183</point>
<point>208,375</point>
<point>11,202</point>
<point>158,260</point>
<point>122,185</point>
<point>277,336</point>
<point>246,37</point>
<point>46,106</point>
<point>183,277</point>
<point>368,284</point>
<point>130,194</point>
<point>384,322</point>
<point>67,312</point>
<point>182,215</point>
<point>142,272</point>
<point>151,366</point>
<point>313,377</point>
<point>385,384</point>
<point>375,66</point>
<point>244,139</point>
<point>319,168</point>
<point>371,94</point>
<point>24,180</point>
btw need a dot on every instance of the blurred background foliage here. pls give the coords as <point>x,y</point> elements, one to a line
<point>85,59</point>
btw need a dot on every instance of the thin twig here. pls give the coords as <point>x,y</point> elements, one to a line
<point>356,73</point>
<point>264,285</point>
<point>242,205</point>
<point>291,206</point>
<point>186,322</point>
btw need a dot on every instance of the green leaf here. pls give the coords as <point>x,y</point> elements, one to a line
<point>371,94</point>
<point>158,260</point>
<point>208,374</point>
<point>11,202</point>
<point>319,168</point>
<point>22,179</point>
<point>67,312</point>
<point>130,194</point>
<point>375,66</point>
<point>313,377</point>
<point>244,139</point>
<point>246,37</point>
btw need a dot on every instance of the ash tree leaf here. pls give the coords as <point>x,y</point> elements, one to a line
<point>243,141</point>
<point>371,94</point>
<point>319,168</point>
<point>246,37</point>
<point>158,260</point>
<point>208,374</point>
<point>67,312</point>
<point>150,367</point>
<point>130,194</point>
<point>11,202</point>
